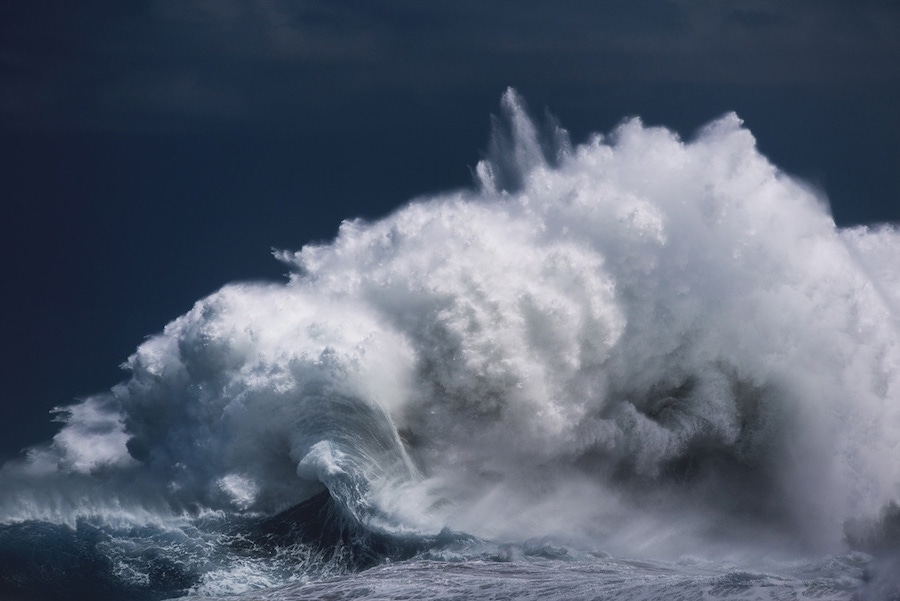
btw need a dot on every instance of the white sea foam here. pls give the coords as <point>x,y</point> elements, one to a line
<point>641,341</point>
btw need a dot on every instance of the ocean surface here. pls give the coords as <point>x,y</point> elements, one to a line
<point>638,367</point>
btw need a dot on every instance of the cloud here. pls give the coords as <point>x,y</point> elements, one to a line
<point>102,64</point>
<point>270,30</point>
<point>179,93</point>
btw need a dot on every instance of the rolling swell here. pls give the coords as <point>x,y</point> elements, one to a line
<point>94,560</point>
<point>40,560</point>
<point>339,537</point>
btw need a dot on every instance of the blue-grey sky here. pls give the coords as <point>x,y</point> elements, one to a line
<point>156,150</point>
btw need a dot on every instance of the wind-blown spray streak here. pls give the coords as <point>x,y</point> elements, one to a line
<point>639,344</point>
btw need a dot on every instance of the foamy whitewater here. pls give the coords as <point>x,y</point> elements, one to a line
<point>635,368</point>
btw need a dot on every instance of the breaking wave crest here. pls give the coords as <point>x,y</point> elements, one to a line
<point>640,343</point>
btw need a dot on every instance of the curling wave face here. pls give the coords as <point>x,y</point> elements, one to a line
<point>640,343</point>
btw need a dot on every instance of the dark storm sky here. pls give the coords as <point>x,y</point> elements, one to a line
<point>156,150</point>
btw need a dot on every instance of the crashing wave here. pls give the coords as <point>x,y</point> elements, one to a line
<point>639,342</point>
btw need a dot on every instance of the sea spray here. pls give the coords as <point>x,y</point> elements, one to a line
<point>642,344</point>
